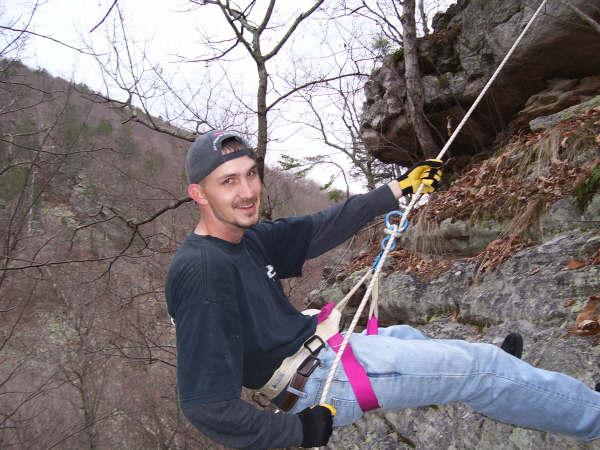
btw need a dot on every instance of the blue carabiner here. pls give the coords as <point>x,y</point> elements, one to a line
<point>390,226</point>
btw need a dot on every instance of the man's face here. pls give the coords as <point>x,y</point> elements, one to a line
<point>231,195</point>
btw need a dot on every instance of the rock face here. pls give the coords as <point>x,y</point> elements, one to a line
<point>545,122</point>
<point>464,238</point>
<point>556,66</point>
<point>535,292</point>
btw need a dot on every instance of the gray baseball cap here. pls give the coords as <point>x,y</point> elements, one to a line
<point>205,154</point>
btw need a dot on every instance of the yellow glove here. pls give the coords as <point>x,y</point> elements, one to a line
<point>331,408</point>
<point>428,172</point>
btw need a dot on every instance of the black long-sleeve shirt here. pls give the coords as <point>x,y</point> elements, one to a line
<point>234,323</point>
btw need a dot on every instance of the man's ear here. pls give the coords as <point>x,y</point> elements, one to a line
<point>196,193</point>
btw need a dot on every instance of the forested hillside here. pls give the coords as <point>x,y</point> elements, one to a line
<point>92,208</point>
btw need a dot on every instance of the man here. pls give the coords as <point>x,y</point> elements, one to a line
<point>235,325</point>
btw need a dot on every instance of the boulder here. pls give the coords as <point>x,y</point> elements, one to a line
<point>545,122</point>
<point>568,99</point>
<point>452,237</point>
<point>558,54</point>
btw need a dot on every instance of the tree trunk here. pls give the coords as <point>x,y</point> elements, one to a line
<point>266,209</point>
<point>261,111</point>
<point>414,87</point>
<point>423,17</point>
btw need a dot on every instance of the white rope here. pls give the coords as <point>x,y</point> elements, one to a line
<point>342,303</point>
<point>357,315</point>
<point>490,81</point>
<point>394,232</point>
<point>467,116</point>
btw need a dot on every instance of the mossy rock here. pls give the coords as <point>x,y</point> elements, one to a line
<point>545,122</point>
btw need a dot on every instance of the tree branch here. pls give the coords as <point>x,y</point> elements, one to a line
<point>105,16</point>
<point>312,83</point>
<point>292,28</point>
<point>24,31</point>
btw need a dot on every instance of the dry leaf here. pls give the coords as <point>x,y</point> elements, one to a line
<point>589,325</point>
<point>573,264</point>
<point>534,271</point>
<point>587,321</point>
<point>569,302</point>
<point>579,332</point>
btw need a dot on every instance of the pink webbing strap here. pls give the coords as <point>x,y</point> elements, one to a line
<point>325,311</point>
<point>373,326</point>
<point>356,375</point>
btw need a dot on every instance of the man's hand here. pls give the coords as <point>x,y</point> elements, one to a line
<point>317,426</point>
<point>428,172</point>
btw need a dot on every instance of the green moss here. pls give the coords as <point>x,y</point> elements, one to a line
<point>584,191</point>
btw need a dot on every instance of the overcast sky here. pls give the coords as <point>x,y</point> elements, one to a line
<point>166,30</point>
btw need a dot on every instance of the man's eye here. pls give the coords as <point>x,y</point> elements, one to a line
<point>228,181</point>
<point>252,173</point>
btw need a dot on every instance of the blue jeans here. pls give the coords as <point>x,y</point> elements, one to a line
<point>408,370</point>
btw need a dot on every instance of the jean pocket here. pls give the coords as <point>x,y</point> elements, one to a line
<point>347,411</point>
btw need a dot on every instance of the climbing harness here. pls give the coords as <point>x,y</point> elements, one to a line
<point>328,325</point>
<point>358,377</point>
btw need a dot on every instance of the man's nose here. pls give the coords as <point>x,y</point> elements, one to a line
<point>246,188</point>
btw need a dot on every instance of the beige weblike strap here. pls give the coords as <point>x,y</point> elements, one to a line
<point>281,377</point>
<point>343,302</point>
<point>374,308</point>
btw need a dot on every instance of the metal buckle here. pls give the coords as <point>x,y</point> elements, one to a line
<point>307,372</point>
<point>310,340</point>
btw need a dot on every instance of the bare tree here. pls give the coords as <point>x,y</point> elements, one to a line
<point>339,128</point>
<point>398,24</point>
<point>81,206</point>
<point>249,34</point>
<point>424,18</point>
<point>255,32</point>
<point>414,86</point>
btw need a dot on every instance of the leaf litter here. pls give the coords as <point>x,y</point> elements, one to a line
<point>521,180</point>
